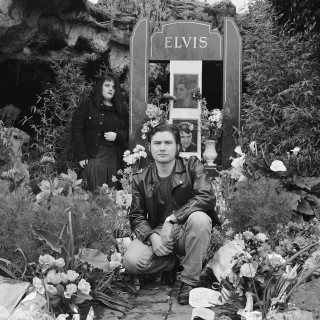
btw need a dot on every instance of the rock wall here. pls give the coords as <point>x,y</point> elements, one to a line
<point>39,30</point>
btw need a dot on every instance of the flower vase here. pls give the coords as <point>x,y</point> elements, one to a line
<point>210,153</point>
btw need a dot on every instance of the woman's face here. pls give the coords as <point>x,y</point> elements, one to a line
<point>108,90</point>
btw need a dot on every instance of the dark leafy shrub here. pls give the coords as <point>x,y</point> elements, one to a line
<point>299,15</point>
<point>94,219</point>
<point>263,203</point>
<point>281,103</point>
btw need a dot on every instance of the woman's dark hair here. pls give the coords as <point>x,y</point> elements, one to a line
<point>97,97</point>
<point>165,127</point>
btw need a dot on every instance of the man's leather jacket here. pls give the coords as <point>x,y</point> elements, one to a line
<point>191,191</point>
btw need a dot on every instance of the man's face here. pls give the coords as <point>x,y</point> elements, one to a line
<point>181,91</point>
<point>186,139</point>
<point>163,147</point>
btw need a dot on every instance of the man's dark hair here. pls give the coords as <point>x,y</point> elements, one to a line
<point>185,126</point>
<point>165,127</point>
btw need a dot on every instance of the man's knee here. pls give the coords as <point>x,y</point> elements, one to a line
<point>137,258</point>
<point>130,262</point>
<point>201,220</point>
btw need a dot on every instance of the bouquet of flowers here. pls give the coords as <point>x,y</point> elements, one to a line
<point>59,287</point>
<point>157,110</point>
<point>271,269</point>
<point>132,161</point>
<point>211,121</point>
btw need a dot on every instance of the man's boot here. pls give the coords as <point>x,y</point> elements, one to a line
<point>183,297</point>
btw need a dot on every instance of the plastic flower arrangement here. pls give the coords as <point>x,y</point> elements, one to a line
<point>157,110</point>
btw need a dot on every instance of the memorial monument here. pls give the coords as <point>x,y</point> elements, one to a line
<point>186,43</point>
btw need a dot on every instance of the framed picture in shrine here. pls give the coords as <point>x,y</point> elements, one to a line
<point>190,140</point>
<point>183,84</point>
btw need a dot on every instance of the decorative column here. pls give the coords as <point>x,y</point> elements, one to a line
<point>232,86</point>
<point>139,66</point>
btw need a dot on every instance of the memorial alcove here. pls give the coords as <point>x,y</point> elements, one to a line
<point>189,47</point>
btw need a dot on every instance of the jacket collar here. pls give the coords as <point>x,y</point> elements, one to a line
<point>178,169</point>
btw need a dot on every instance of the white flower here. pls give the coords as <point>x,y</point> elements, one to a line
<point>253,147</point>
<point>276,260</point>
<point>248,235</point>
<point>261,237</point>
<point>60,263</point>
<point>135,150</point>
<point>63,277</point>
<point>143,136</point>
<point>248,270</point>
<point>295,150</point>
<point>84,286</point>
<point>145,128</point>
<point>116,256</point>
<point>48,159</point>
<point>140,147</point>
<point>72,275</point>
<point>237,163</point>
<point>126,153</point>
<point>277,165</point>
<point>53,277</point>
<point>71,288</point>
<point>136,156</point>
<point>51,289</point>
<point>291,273</point>
<point>62,316</point>
<point>152,110</point>
<point>142,154</point>
<point>238,151</point>
<point>38,285</point>
<point>46,261</point>
<point>129,159</point>
<point>114,264</point>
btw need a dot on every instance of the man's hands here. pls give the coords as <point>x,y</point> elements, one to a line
<point>159,247</point>
<point>162,245</point>
<point>166,234</point>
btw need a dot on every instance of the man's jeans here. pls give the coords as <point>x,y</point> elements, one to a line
<point>191,241</point>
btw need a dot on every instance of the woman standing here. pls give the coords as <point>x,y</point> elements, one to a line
<point>99,132</point>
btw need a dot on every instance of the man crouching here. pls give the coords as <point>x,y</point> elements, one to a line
<point>172,212</point>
